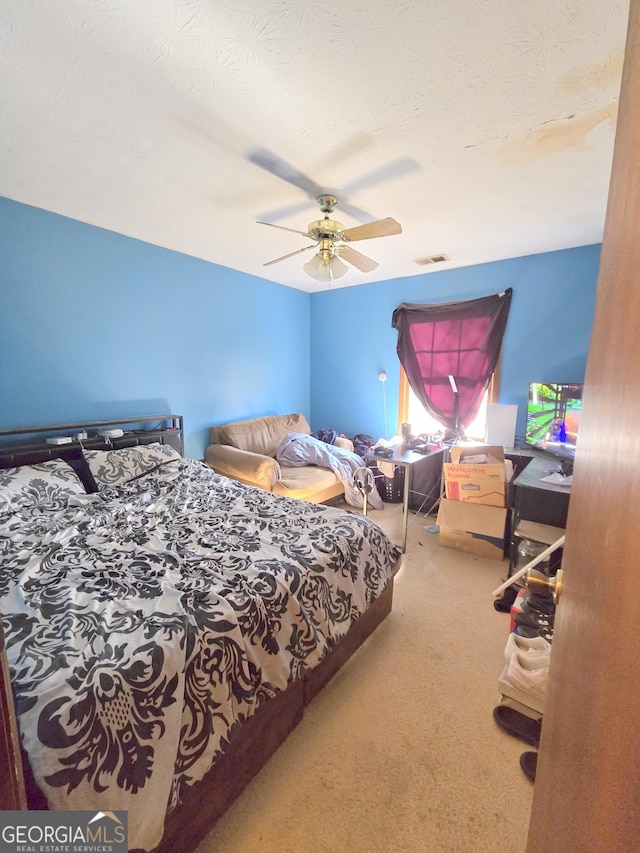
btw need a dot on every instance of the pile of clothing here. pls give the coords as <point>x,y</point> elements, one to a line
<point>361,443</point>
<point>527,656</point>
<point>297,449</point>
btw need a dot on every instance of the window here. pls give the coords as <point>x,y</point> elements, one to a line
<point>411,410</point>
<point>449,353</point>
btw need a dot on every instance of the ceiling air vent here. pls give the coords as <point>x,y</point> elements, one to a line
<point>431,259</point>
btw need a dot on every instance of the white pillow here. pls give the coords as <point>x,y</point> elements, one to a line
<point>117,467</point>
<point>46,484</point>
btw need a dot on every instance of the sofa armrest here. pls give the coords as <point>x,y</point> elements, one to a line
<point>252,469</point>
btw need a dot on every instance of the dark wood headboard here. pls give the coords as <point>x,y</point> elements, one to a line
<point>28,445</point>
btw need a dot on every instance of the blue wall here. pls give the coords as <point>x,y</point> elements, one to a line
<point>96,325</point>
<point>546,340</point>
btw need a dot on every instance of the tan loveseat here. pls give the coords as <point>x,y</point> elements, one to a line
<point>245,450</point>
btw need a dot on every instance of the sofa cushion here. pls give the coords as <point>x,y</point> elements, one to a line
<point>308,483</point>
<point>262,435</point>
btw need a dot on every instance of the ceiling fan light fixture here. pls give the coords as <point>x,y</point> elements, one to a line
<point>315,268</point>
<point>337,267</point>
<point>324,273</point>
<point>325,267</point>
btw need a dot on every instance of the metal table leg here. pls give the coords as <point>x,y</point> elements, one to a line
<point>405,506</point>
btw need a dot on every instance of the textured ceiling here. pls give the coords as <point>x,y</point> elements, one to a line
<point>485,127</point>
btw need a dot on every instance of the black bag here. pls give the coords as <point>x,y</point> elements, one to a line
<point>362,443</point>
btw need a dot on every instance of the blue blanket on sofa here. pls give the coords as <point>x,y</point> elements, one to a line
<point>298,449</point>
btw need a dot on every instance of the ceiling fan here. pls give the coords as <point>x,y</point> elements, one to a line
<point>328,235</point>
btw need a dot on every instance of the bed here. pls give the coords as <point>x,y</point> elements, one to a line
<point>164,626</point>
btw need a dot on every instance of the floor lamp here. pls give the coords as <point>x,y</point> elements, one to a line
<point>382,376</point>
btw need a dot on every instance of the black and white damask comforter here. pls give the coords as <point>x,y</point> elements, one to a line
<point>142,622</point>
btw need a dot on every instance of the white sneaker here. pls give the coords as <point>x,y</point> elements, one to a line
<point>529,673</point>
<point>527,646</point>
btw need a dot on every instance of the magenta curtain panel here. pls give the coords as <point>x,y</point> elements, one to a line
<point>451,345</point>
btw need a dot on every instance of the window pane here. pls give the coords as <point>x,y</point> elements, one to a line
<point>422,422</point>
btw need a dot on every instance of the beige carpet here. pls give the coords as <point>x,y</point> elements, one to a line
<point>400,752</point>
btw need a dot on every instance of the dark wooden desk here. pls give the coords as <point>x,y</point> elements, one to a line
<point>535,501</point>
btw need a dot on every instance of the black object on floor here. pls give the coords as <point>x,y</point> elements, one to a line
<point>517,725</point>
<point>524,631</point>
<point>533,619</point>
<point>538,604</point>
<point>504,603</point>
<point>529,764</point>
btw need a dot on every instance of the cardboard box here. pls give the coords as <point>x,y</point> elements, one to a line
<point>468,478</point>
<point>472,528</point>
<point>492,453</point>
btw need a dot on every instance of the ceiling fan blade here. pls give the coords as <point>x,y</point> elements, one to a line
<point>277,166</point>
<point>357,259</point>
<point>283,228</point>
<point>352,210</point>
<point>299,207</point>
<point>290,255</point>
<point>396,169</point>
<point>380,228</point>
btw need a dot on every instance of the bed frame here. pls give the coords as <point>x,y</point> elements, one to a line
<point>28,445</point>
<point>251,743</point>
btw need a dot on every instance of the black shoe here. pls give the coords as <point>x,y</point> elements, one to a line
<point>529,764</point>
<point>517,725</point>
<point>526,631</point>
<point>533,619</point>
<point>503,605</point>
<point>539,604</point>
